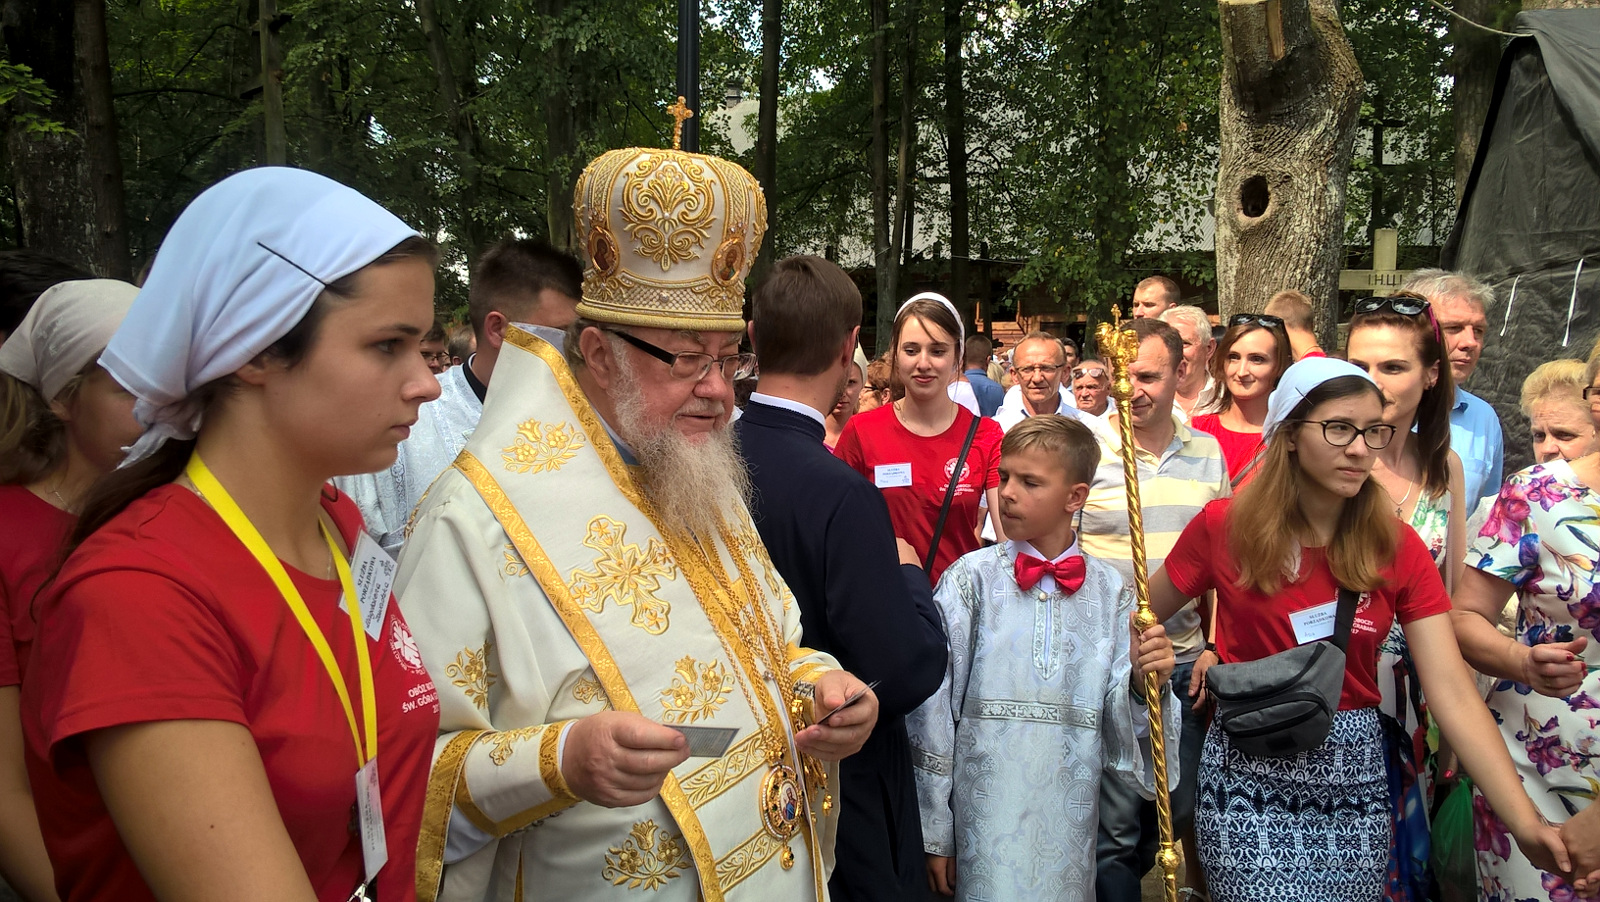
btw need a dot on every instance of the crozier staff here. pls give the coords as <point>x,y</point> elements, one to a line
<point>202,718</point>
<point>1316,824</point>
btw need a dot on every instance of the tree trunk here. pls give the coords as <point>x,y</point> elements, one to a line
<point>100,140</point>
<point>767,129</point>
<point>883,259</point>
<point>1291,94</point>
<point>561,135</point>
<point>277,141</point>
<point>1474,63</point>
<point>901,238</point>
<point>955,113</point>
<point>471,237</point>
<point>50,172</point>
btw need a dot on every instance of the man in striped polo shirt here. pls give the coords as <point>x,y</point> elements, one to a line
<point>1180,471</point>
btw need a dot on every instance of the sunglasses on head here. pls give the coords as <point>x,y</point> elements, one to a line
<point>1405,306</point>
<point>1265,320</point>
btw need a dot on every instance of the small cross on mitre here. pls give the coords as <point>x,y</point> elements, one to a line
<point>680,111</point>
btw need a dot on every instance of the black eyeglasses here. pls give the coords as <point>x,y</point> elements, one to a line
<point>1340,433</point>
<point>694,365</point>
<point>1259,319</point>
<point>1591,393</point>
<point>1405,306</point>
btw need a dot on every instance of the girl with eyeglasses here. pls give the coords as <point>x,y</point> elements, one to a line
<point>1251,356</point>
<point>910,448</point>
<point>1316,825</point>
<point>1395,340</point>
<point>1539,544</point>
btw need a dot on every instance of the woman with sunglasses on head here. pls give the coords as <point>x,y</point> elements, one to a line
<point>215,709</point>
<point>910,448</point>
<point>1246,365</point>
<point>1315,825</point>
<point>63,424</point>
<point>1539,544</point>
<point>1396,341</point>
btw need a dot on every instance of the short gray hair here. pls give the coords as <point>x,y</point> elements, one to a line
<point>1192,315</point>
<point>1441,283</point>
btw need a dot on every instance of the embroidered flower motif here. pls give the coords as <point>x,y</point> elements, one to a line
<point>470,673</point>
<point>539,447</point>
<point>696,692</point>
<point>647,859</point>
<point>629,575</point>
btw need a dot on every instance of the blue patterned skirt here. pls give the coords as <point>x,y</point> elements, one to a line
<point>1312,827</point>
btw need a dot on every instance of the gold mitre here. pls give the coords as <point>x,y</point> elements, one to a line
<point>669,237</point>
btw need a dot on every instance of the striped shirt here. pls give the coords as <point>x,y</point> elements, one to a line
<point>1172,490</point>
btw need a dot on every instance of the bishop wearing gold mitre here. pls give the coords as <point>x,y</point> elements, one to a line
<point>626,708</point>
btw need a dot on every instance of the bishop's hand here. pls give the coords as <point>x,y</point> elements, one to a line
<point>846,731</point>
<point>616,759</point>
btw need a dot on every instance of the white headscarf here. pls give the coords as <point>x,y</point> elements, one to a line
<point>1300,380</point>
<point>240,267</point>
<point>961,332</point>
<point>65,330</point>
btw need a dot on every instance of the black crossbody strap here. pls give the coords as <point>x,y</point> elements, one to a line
<point>1345,618</point>
<point>950,495</point>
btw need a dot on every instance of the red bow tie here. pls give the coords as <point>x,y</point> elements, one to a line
<point>1068,573</point>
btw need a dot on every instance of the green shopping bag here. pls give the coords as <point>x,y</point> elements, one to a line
<point>1454,858</point>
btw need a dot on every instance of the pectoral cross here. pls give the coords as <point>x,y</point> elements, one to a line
<point>680,111</point>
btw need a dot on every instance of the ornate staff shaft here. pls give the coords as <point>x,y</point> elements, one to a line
<point>1120,347</point>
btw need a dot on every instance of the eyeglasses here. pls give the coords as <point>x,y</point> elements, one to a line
<point>1040,369</point>
<point>1258,319</point>
<point>1592,393</point>
<point>694,365</point>
<point>1403,305</point>
<point>441,357</point>
<point>1340,433</point>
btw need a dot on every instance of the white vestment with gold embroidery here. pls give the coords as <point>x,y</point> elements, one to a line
<point>541,589</point>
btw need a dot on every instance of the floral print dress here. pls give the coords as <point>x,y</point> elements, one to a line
<point>1543,536</point>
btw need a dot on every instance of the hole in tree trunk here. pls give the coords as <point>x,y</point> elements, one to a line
<point>1254,196</point>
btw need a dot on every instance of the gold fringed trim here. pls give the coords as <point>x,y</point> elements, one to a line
<point>439,801</point>
<point>578,625</point>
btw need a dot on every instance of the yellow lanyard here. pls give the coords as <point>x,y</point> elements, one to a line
<point>219,499</point>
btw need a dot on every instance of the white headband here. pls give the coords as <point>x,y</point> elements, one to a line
<point>65,330</point>
<point>240,267</point>
<point>961,333</point>
<point>1300,380</point>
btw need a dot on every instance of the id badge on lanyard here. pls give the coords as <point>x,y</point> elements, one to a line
<point>369,802</point>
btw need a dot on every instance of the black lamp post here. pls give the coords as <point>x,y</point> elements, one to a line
<point>689,69</point>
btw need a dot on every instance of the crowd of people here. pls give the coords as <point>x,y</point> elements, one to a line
<point>594,628</point>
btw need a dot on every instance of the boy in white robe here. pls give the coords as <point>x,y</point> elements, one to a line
<point>1038,700</point>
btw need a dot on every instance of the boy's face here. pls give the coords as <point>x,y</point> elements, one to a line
<point>1037,497</point>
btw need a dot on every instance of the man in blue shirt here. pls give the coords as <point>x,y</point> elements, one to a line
<point>976,365</point>
<point>1459,304</point>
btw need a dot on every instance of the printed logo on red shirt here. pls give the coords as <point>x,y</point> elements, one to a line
<point>405,647</point>
<point>1362,624</point>
<point>961,484</point>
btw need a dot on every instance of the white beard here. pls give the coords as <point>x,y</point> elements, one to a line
<point>698,486</point>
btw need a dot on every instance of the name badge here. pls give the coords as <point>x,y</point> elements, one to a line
<point>373,571</point>
<point>892,476</point>
<point>1314,623</point>
<point>369,806</point>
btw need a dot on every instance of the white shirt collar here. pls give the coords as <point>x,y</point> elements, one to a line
<point>787,404</point>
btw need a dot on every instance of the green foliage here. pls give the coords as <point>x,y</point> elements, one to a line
<point>22,95</point>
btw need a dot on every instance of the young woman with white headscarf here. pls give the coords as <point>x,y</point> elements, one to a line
<point>63,423</point>
<point>203,719</point>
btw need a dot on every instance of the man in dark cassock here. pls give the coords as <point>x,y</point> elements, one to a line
<point>863,594</point>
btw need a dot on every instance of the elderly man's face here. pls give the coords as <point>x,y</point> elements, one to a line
<point>1039,366</point>
<point>1196,350</point>
<point>1463,325</point>
<point>1091,387</point>
<point>694,407</point>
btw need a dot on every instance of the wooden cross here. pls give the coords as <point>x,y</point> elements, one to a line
<point>1382,279</point>
<point>680,111</point>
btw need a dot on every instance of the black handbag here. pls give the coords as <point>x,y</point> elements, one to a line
<point>1283,704</point>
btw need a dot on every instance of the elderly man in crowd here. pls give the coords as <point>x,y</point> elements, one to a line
<point>619,662</point>
<point>1196,387</point>
<point>1038,362</point>
<point>1460,305</point>
<point>1181,470</point>
<point>1091,386</point>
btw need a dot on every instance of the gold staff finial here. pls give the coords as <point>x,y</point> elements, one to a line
<point>1119,346</point>
<point>680,111</point>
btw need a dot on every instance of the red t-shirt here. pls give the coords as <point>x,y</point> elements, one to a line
<point>876,445</point>
<point>31,533</point>
<point>1251,626</point>
<point>1238,448</point>
<point>163,615</point>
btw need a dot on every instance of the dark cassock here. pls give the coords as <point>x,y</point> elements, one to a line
<point>828,532</point>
